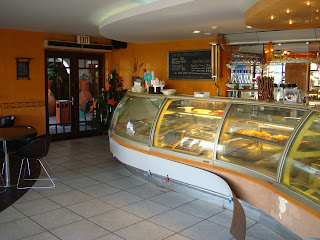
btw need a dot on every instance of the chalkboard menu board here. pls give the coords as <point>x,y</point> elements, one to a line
<point>190,65</point>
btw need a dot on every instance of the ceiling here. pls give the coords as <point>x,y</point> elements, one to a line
<point>135,21</point>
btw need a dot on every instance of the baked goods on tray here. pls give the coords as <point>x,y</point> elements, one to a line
<point>263,135</point>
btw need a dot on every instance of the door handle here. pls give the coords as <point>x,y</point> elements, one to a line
<point>72,101</point>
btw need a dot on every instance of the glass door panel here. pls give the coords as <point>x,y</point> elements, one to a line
<point>88,89</point>
<point>74,80</point>
<point>59,105</point>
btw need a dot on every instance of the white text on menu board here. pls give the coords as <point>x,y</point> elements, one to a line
<point>200,66</point>
<point>177,64</point>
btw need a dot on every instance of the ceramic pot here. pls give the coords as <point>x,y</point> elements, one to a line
<point>51,99</point>
<point>84,95</point>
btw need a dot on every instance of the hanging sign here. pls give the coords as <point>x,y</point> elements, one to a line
<point>148,77</point>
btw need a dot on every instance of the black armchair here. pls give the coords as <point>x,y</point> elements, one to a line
<point>36,149</point>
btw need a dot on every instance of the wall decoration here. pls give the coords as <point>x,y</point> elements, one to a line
<point>22,104</point>
<point>23,68</point>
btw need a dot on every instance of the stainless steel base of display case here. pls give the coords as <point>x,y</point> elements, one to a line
<point>216,199</point>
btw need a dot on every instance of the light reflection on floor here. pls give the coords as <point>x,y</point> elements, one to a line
<point>66,127</point>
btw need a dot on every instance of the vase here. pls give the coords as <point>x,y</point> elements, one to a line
<point>51,99</point>
<point>84,95</point>
<point>133,79</point>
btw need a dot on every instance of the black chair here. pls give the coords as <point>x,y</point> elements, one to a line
<point>36,149</point>
<point>14,146</point>
<point>7,121</point>
<point>2,184</point>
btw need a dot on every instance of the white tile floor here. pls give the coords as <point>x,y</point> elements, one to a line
<point>96,198</point>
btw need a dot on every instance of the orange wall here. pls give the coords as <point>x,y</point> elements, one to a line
<point>26,44</point>
<point>154,58</point>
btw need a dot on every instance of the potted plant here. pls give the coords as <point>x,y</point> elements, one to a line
<point>51,98</point>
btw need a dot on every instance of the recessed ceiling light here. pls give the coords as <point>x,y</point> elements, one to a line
<point>272,17</point>
<point>249,27</point>
<point>279,44</point>
<point>288,10</point>
<point>196,31</point>
<point>308,3</point>
<point>207,33</point>
<point>290,22</point>
<point>307,43</point>
<point>215,27</point>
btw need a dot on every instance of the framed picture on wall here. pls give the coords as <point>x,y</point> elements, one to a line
<point>23,68</point>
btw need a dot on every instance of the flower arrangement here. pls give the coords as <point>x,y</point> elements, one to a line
<point>86,76</point>
<point>134,72</point>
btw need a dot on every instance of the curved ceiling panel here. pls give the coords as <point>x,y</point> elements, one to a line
<point>169,20</point>
<point>284,14</point>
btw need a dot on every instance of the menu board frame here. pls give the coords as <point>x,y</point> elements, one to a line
<point>182,65</point>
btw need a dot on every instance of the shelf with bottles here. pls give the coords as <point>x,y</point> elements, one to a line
<point>244,58</point>
<point>241,76</point>
<point>244,61</point>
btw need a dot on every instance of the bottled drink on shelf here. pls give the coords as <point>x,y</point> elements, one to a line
<point>245,76</point>
<point>240,76</point>
<point>249,76</point>
<point>232,76</point>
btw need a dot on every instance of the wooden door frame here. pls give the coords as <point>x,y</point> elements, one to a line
<point>74,89</point>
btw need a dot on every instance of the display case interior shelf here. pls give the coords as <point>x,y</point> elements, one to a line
<point>197,112</point>
<point>257,139</point>
<point>192,146</point>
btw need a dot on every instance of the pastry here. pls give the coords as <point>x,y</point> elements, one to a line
<point>280,138</point>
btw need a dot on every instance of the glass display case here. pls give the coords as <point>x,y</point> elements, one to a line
<point>189,126</point>
<point>134,117</point>
<point>301,171</point>
<point>267,141</point>
<point>254,136</point>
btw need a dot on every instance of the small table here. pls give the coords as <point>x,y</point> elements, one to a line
<point>10,134</point>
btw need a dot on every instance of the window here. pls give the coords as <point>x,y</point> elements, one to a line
<point>314,77</point>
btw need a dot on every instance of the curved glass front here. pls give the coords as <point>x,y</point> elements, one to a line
<point>254,136</point>
<point>133,118</point>
<point>301,171</point>
<point>189,126</point>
